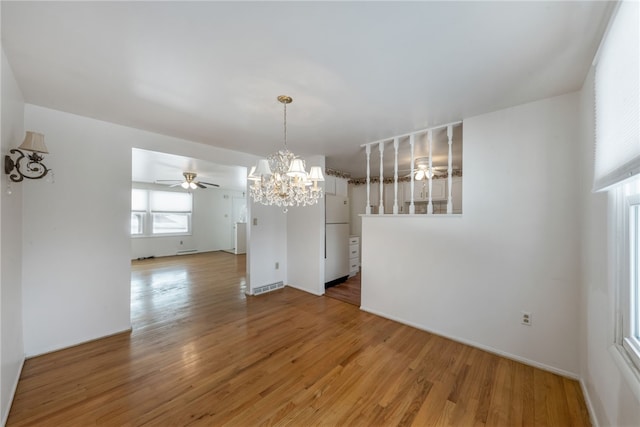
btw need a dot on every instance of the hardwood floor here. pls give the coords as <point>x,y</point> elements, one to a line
<point>349,291</point>
<point>201,353</point>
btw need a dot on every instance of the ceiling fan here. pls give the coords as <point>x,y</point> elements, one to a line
<point>189,182</point>
<point>421,169</point>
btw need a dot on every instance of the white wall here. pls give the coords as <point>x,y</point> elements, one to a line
<point>515,247</point>
<point>268,239</point>
<point>305,243</point>
<point>76,244</point>
<point>211,225</point>
<point>11,342</point>
<point>612,401</point>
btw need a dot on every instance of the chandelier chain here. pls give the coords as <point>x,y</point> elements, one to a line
<point>285,126</point>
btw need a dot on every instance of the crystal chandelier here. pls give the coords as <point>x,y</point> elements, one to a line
<point>281,178</point>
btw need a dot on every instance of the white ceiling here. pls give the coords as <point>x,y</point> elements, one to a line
<point>152,166</point>
<point>358,71</point>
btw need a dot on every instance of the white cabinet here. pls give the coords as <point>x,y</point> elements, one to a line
<point>240,237</point>
<point>329,184</point>
<point>421,190</point>
<point>336,263</point>
<point>354,255</point>
<point>335,185</point>
<point>342,187</point>
<point>389,197</point>
<point>456,194</point>
<point>374,196</point>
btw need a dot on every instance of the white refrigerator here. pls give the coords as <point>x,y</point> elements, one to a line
<point>336,265</point>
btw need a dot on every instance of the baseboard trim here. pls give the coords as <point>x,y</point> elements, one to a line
<point>64,347</point>
<point>5,415</point>
<point>487,348</point>
<point>590,408</point>
<point>319,294</point>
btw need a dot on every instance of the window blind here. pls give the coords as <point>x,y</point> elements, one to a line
<point>138,200</point>
<point>617,150</point>
<point>170,201</point>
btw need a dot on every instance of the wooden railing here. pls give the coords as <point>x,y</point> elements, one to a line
<point>411,138</point>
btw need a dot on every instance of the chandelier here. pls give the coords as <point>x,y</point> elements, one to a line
<point>281,178</point>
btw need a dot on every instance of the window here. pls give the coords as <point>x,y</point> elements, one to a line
<point>166,212</point>
<point>138,211</point>
<point>629,336</point>
<point>168,223</point>
<point>137,223</point>
<point>617,170</point>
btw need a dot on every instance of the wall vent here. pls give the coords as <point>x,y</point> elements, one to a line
<point>268,288</point>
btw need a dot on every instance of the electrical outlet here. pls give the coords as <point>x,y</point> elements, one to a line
<point>255,221</point>
<point>526,318</point>
<point>180,241</point>
<point>277,265</point>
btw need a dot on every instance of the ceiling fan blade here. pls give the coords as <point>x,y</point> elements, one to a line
<point>175,185</point>
<point>168,180</point>
<point>209,183</point>
<point>200,185</point>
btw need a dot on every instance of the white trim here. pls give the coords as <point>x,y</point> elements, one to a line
<point>590,408</point>
<point>627,369</point>
<point>415,132</point>
<point>305,290</point>
<point>65,346</point>
<point>562,372</point>
<point>12,395</point>
<point>432,215</point>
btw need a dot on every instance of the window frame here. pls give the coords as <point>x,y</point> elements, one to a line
<point>147,215</point>
<point>628,280</point>
<point>626,244</point>
<point>170,233</point>
<point>142,219</point>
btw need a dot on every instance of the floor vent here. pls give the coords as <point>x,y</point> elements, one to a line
<point>268,288</point>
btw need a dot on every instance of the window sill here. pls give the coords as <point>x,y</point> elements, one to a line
<point>153,236</point>
<point>628,370</point>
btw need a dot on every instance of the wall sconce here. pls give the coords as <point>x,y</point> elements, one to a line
<point>34,168</point>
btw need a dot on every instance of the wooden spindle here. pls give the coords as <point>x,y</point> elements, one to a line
<point>430,205</point>
<point>367,210</point>
<point>396,143</point>
<point>412,207</point>
<point>381,205</point>
<point>450,170</point>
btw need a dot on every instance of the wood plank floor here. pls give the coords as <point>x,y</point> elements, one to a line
<point>201,353</point>
<point>349,291</point>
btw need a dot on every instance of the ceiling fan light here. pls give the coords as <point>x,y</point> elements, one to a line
<point>192,186</point>
<point>184,185</point>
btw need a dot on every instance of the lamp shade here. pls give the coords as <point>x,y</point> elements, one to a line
<point>34,141</point>
<point>263,168</point>
<point>296,168</point>
<point>315,174</point>
<point>252,174</point>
